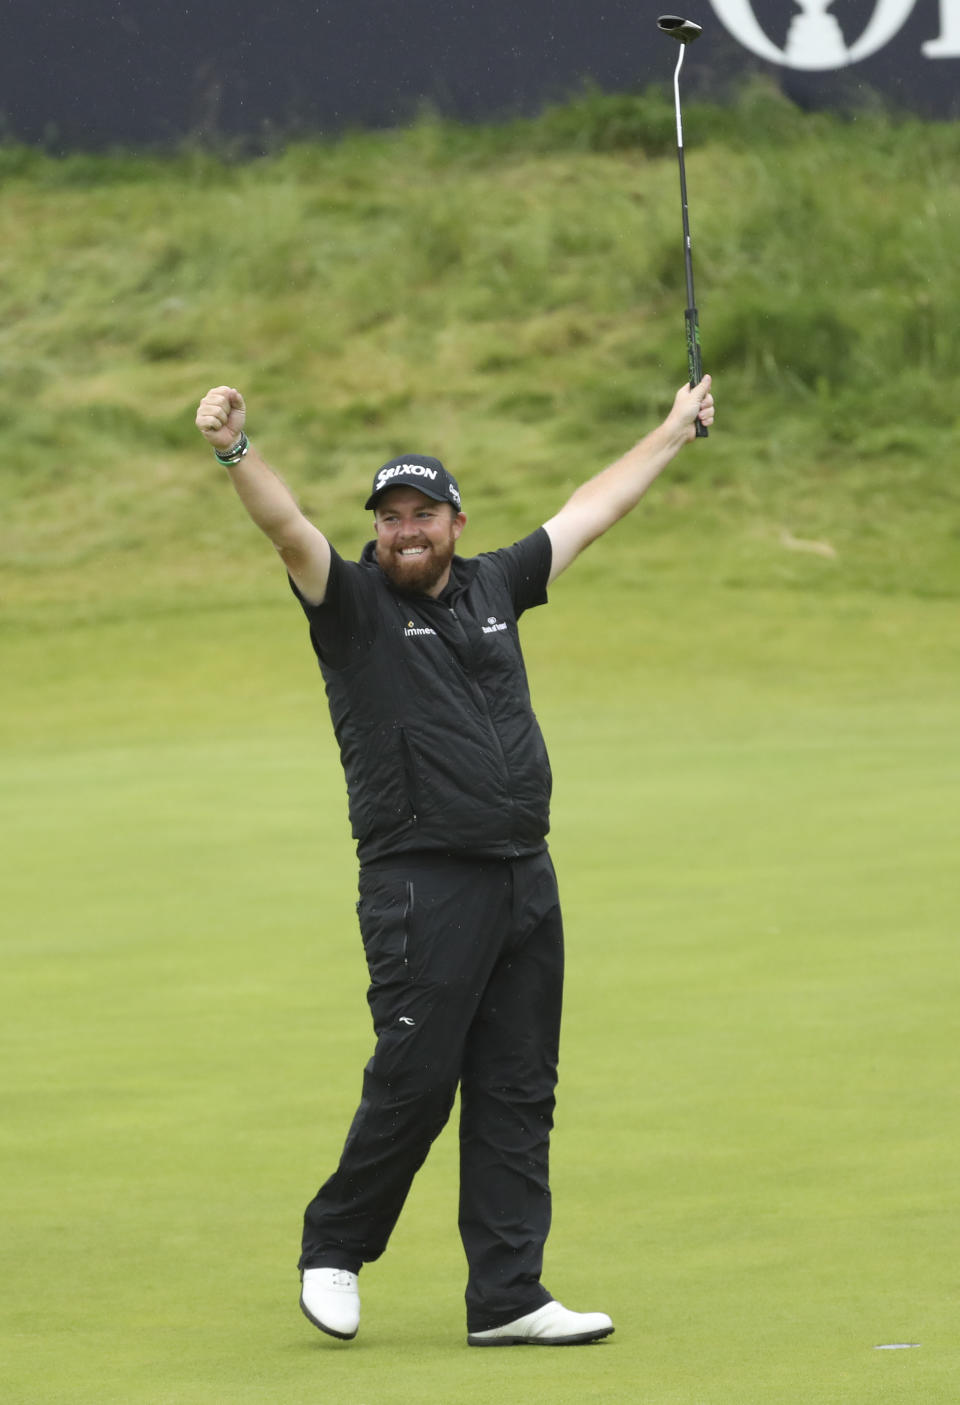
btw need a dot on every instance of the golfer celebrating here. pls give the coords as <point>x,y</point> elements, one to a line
<point>449,789</point>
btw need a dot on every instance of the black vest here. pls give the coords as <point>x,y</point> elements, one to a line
<point>439,744</point>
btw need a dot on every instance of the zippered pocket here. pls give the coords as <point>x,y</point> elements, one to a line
<point>386,912</point>
<point>407,924</point>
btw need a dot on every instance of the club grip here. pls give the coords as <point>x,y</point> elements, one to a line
<point>695,360</point>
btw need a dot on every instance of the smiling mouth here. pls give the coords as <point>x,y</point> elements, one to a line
<point>413,551</point>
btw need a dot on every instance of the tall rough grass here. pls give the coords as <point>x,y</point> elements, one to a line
<point>509,297</point>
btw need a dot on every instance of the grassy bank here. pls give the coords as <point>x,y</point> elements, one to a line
<point>509,298</point>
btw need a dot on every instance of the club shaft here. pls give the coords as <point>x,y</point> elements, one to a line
<point>685,208</point>
<point>691,318</point>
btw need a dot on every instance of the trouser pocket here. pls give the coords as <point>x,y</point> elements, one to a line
<point>386,912</point>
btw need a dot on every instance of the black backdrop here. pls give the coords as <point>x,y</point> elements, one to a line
<point>88,73</point>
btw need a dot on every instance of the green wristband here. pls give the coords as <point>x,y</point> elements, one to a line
<point>235,454</point>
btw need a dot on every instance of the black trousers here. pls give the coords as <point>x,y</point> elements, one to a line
<point>466,976</point>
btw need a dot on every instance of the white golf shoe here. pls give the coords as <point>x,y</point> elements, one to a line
<point>551,1325</point>
<point>329,1297</point>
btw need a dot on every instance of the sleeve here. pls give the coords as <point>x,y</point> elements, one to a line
<point>526,567</point>
<point>343,626</point>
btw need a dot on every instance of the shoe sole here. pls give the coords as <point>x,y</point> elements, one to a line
<point>578,1339</point>
<point>330,1331</point>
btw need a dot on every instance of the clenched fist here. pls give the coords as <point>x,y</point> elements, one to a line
<point>221,417</point>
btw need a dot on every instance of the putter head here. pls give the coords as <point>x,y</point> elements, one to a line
<point>684,31</point>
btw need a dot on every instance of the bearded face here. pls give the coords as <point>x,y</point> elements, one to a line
<point>416,539</point>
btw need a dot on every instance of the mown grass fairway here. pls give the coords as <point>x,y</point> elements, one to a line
<point>755,1158</point>
<point>749,691</point>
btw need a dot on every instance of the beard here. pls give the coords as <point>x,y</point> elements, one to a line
<point>417,575</point>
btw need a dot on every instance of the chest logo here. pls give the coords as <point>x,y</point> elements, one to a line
<point>412,630</point>
<point>493,625</point>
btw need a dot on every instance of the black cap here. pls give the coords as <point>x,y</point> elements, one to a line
<point>418,471</point>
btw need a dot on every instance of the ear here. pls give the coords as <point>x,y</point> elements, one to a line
<point>459,522</point>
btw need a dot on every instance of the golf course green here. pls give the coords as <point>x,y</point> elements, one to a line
<point>748,690</point>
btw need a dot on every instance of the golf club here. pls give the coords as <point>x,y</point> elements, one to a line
<point>685,32</point>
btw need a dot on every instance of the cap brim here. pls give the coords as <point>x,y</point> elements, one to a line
<point>374,498</point>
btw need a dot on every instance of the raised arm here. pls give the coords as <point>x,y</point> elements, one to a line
<point>603,500</point>
<point>304,550</point>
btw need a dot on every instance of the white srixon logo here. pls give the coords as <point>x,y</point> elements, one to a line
<point>419,470</point>
<point>815,40</point>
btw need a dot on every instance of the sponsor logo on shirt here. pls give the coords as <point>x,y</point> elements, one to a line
<point>493,625</point>
<point>413,629</point>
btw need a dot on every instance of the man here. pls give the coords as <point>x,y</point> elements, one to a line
<point>449,789</point>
